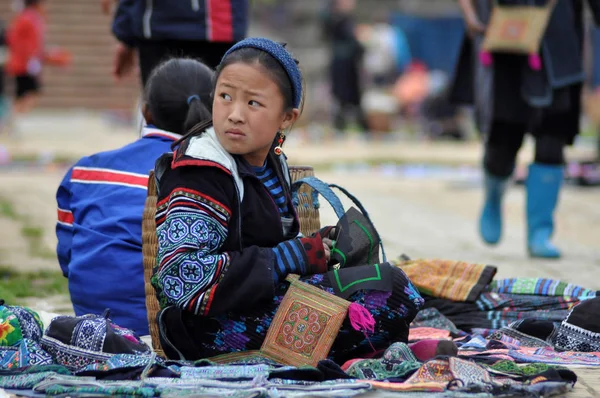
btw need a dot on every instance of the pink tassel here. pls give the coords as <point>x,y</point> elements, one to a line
<point>361,319</point>
<point>535,61</point>
<point>485,57</point>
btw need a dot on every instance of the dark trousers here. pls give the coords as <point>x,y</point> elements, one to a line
<point>505,140</point>
<point>151,53</point>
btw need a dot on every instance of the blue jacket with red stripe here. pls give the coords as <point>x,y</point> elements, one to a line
<point>210,20</point>
<point>99,229</point>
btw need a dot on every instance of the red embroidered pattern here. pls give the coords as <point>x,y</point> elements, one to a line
<point>305,325</point>
<point>302,328</point>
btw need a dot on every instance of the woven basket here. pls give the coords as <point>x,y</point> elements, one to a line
<point>309,223</point>
<point>308,214</point>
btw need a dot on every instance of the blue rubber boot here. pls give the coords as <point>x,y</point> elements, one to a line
<point>490,222</point>
<point>543,187</point>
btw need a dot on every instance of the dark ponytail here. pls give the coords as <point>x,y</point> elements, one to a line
<point>178,94</point>
<point>197,113</point>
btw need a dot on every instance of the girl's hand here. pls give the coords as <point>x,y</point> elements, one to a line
<point>327,246</point>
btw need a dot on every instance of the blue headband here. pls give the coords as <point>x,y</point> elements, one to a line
<point>278,52</point>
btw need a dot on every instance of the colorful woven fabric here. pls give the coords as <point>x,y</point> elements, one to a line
<point>27,353</point>
<point>549,356</point>
<point>511,368</point>
<point>512,338</point>
<point>496,310</point>
<point>540,286</point>
<point>18,323</point>
<point>76,342</point>
<point>398,361</point>
<point>173,387</point>
<point>431,317</point>
<point>243,358</point>
<point>449,279</point>
<point>580,331</point>
<point>423,333</point>
<point>305,325</point>
<point>444,370</point>
<point>412,388</point>
<point>236,372</point>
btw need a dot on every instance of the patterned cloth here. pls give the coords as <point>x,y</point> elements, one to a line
<point>513,338</point>
<point>164,387</point>
<point>445,370</point>
<point>398,361</point>
<point>512,369</point>
<point>18,323</point>
<point>496,310</point>
<point>423,333</point>
<point>448,279</point>
<point>76,342</point>
<point>580,331</point>
<point>431,317</point>
<point>540,286</point>
<point>26,353</point>
<point>551,357</point>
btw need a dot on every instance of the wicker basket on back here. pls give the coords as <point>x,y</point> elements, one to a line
<point>309,223</point>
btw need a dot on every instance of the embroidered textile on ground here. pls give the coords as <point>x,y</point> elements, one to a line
<point>449,279</point>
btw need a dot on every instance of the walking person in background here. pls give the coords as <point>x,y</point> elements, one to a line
<point>513,95</point>
<point>184,28</point>
<point>3,57</point>
<point>26,37</point>
<point>346,60</point>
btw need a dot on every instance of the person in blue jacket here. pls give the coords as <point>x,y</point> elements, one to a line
<point>101,198</point>
<point>203,29</point>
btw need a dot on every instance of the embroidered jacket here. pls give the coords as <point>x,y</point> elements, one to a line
<point>99,230</point>
<point>221,240</point>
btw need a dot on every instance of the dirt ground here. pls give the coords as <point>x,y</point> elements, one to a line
<point>431,216</point>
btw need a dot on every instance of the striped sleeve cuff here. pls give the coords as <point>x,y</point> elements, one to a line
<point>290,258</point>
<point>304,256</point>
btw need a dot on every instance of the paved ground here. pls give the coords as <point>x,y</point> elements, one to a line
<point>426,216</point>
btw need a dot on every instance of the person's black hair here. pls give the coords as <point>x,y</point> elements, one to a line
<point>178,94</point>
<point>251,55</point>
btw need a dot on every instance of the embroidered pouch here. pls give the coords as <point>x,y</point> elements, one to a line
<point>305,325</point>
<point>517,29</point>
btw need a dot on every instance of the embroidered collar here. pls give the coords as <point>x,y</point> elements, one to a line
<point>151,131</point>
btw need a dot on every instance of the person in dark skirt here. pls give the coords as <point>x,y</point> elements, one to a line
<point>344,67</point>
<point>511,98</point>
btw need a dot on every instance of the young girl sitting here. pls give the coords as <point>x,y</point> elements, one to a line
<point>101,199</point>
<point>227,228</point>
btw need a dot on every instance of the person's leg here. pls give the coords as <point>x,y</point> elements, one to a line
<point>207,52</point>
<point>26,97</point>
<point>150,54</point>
<point>339,117</point>
<point>501,148</point>
<point>544,181</point>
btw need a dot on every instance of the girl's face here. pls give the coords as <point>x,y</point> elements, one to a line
<point>248,111</point>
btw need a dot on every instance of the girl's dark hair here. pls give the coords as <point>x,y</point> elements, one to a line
<point>31,3</point>
<point>178,94</point>
<point>250,55</point>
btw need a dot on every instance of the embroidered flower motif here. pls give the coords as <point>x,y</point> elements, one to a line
<point>5,330</point>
